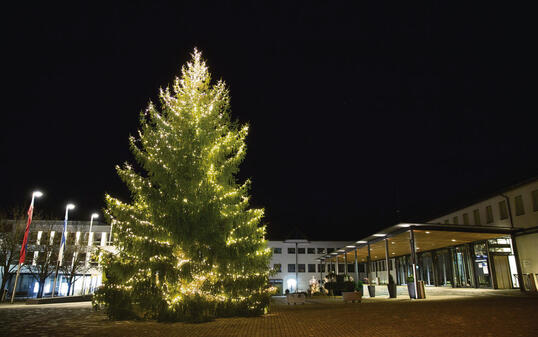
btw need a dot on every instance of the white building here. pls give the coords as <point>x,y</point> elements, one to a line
<point>296,262</point>
<point>44,238</point>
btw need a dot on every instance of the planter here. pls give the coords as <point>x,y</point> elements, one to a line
<point>351,296</point>
<point>371,291</point>
<point>361,290</point>
<point>392,290</point>
<point>411,289</point>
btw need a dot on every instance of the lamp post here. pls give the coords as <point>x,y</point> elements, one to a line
<point>62,246</point>
<point>22,255</point>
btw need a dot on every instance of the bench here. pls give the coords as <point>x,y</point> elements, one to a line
<point>295,298</point>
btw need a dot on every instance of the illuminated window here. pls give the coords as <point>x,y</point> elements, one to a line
<point>311,268</point>
<point>535,200</point>
<point>520,210</point>
<point>489,214</point>
<point>476,216</point>
<point>503,211</point>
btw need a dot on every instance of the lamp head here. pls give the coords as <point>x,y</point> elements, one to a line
<point>37,194</point>
<point>95,216</point>
<point>70,206</point>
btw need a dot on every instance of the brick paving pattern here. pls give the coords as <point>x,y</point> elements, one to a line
<point>482,315</point>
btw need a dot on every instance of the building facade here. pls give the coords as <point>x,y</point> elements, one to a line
<point>295,262</point>
<point>80,257</point>
<point>491,243</point>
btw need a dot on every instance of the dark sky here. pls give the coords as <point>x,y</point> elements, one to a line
<point>355,112</point>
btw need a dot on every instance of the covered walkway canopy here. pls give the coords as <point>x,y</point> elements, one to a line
<point>408,239</point>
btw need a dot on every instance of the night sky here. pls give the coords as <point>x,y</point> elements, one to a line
<point>360,117</point>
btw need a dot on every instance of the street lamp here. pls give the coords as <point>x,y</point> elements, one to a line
<point>62,245</point>
<point>22,255</point>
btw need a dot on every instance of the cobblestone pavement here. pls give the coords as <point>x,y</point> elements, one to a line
<point>502,314</point>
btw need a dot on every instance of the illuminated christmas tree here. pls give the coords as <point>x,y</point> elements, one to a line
<point>190,248</point>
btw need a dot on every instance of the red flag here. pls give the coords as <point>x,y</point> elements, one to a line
<point>25,240</point>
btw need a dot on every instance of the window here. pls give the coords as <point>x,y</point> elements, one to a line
<point>277,250</point>
<point>301,267</point>
<point>465,218</point>
<point>503,211</point>
<point>520,210</point>
<point>476,216</point>
<point>321,268</point>
<point>301,250</point>
<point>277,267</point>
<point>455,220</point>
<point>362,268</point>
<point>350,268</point>
<point>311,250</point>
<point>321,250</point>
<point>291,250</point>
<point>291,268</point>
<point>489,214</point>
<point>340,268</point>
<point>330,250</point>
<point>535,200</point>
<point>311,268</point>
<point>446,221</point>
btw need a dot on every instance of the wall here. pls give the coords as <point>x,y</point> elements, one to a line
<point>528,252</point>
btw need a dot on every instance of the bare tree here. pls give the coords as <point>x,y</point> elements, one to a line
<point>45,264</point>
<point>73,266</point>
<point>11,234</point>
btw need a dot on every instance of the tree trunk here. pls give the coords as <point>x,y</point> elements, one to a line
<point>4,281</point>
<point>69,282</point>
<point>41,288</point>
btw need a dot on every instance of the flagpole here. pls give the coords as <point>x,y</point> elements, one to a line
<point>88,250</point>
<point>22,254</point>
<point>62,245</point>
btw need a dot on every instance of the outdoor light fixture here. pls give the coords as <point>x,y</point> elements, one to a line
<point>380,235</point>
<point>341,250</point>
<point>37,194</point>
<point>393,253</point>
<point>350,246</point>
<point>362,242</point>
<point>70,206</point>
<point>427,232</point>
<point>334,253</point>
<point>404,225</point>
<point>453,240</point>
<point>393,242</point>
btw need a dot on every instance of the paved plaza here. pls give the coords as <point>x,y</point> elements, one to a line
<point>460,312</point>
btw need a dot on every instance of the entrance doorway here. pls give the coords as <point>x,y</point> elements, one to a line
<point>502,272</point>
<point>278,284</point>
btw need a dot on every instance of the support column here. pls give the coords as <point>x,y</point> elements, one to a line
<point>518,264</point>
<point>368,262</point>
<point>356,268</point>
<point>387,259</point>
<point>490,266</point>
<point>320,265</point>
<point>337,265</point>
<point>413,259</point>
<point>296,266</point>
<point>345,264</point>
